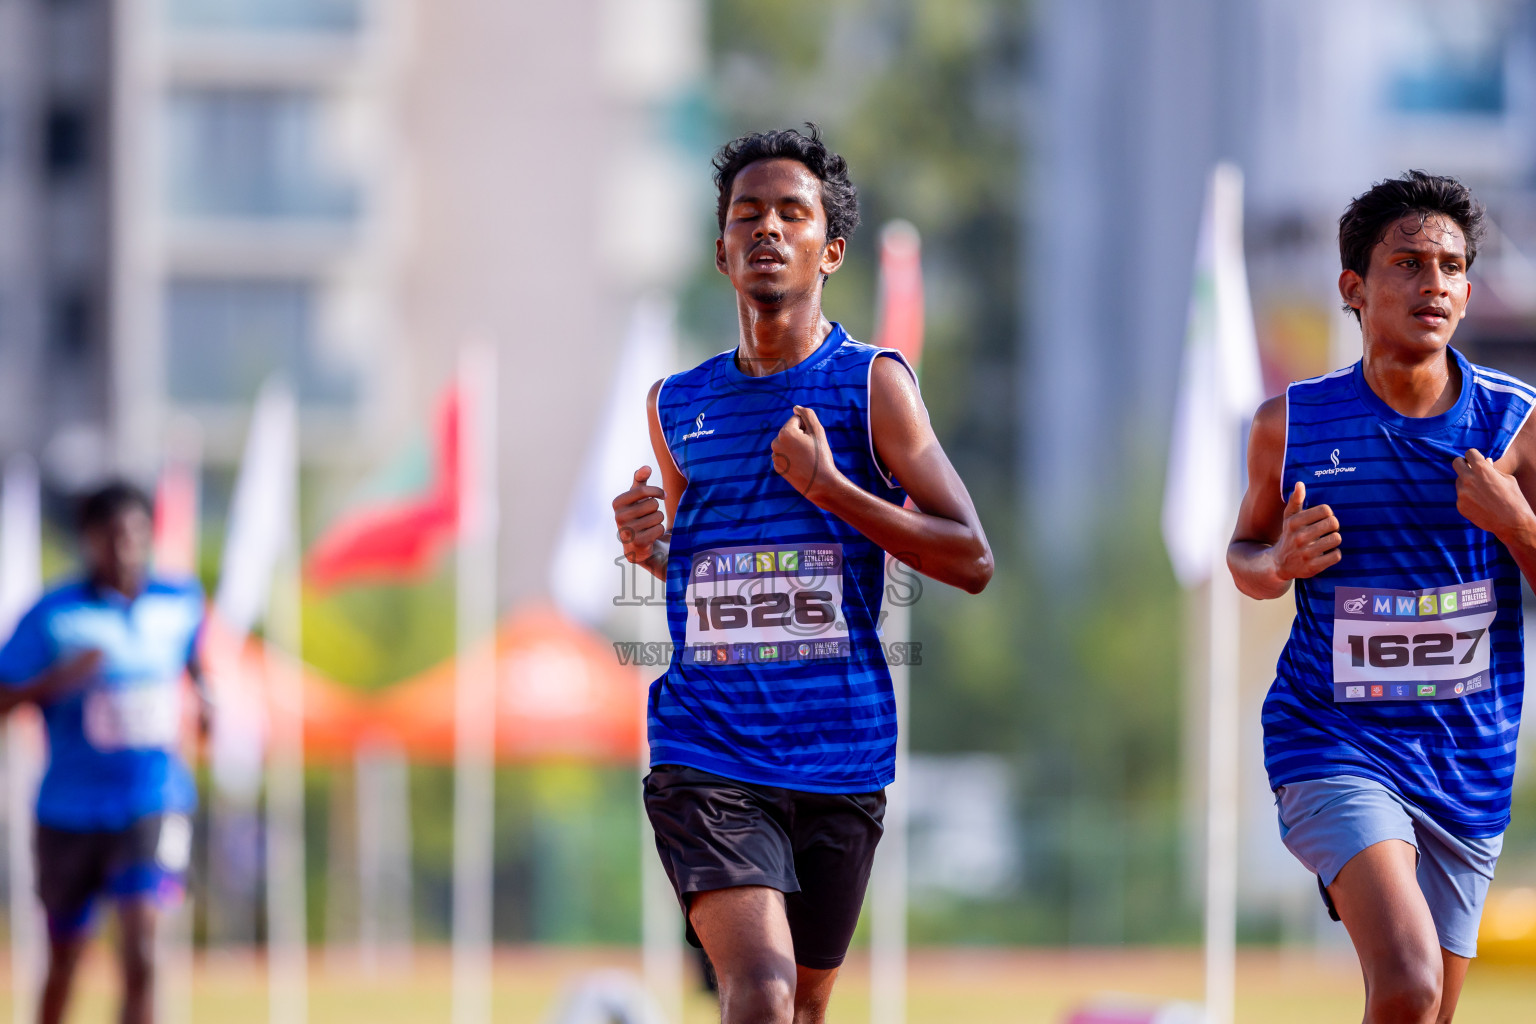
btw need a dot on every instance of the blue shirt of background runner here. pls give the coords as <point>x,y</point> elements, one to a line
<point>146,641</point>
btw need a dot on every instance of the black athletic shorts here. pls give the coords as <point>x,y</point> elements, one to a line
<point>148,858</point>
<point>816,848</point>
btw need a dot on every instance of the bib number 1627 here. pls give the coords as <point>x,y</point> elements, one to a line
<point>1420,650</point>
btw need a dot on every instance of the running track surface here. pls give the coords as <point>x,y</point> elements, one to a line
<point>977,986</point>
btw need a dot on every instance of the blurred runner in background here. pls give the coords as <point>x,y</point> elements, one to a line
<point>784,463</point>
<point>112,811</point>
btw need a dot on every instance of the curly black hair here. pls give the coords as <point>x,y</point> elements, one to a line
<point>1371,215</point>
<point>839,197</point>
<point>103,504</point>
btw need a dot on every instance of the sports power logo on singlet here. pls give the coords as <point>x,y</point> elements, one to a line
<point>1336,469</point>
<point>1411,644</point>
<point>698,428</point>
<point>766,604</point>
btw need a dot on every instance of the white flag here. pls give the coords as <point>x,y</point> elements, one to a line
<point>261,510</point>
<point>583,579</point>
<point>21,541</point>
<point>1219,388</point>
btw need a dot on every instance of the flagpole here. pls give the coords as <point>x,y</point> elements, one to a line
<point>888,903</point>
<point>661,949</point>
<point>900,327</point>
<point>175,554</point>
<point>1221,793</point>
<point>1219,385</point>
<point>287,919</point>
<point>20,583</point>
<point>475,693</point>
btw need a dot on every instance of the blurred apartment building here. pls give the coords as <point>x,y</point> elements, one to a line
<point>55,230</point>
<point>198,193</point>
<point>195,193</point>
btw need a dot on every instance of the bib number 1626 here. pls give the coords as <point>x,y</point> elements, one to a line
<point>807,609</point>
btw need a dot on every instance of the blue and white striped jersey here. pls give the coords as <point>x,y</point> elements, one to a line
<point>777,676</point>
<point>1405,661</point>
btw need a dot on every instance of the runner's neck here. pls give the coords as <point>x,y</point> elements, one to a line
<point>127,588</point>
<point>1413,387</point>
<point>772,342</point>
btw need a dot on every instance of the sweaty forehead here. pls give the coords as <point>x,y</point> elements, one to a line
<point>775,178</point>
<point>1414,231</point>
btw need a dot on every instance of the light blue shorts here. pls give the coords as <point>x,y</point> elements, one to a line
<point>1325,822</point>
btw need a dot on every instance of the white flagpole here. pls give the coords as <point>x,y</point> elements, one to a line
<point>287,938</point>
<point>177,504</point>
<point>383,861</point>
<point>178,496</point>
<point>1222,726</point>
<point>888,884</point>
<point>21,578</point>
<point>474,720</point>
<point>900,326</point>
<point>661,944</point>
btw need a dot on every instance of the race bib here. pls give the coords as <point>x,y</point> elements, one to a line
<point>1412,644</point>
<point>142,717</point>
<point>766,605</point>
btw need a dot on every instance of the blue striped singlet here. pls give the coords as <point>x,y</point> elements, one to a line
<point>1387,698</point>
<point>773,680</point>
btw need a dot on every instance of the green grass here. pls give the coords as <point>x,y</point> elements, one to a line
<point>947,986</point>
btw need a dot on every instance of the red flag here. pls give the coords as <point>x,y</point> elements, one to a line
<point>176,500</point>
<point>396,539</point>
<point>900,323</point>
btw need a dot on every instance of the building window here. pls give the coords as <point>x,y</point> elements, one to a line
<point>1447,60</point>
<point>71,317</point>
<point>266,15</point>
<point>225,336</point>
<point>252,153</point>
<point>66,141</point>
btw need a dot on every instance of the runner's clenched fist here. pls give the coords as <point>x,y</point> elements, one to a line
<point>637,513</point>
<point>1309,538</point>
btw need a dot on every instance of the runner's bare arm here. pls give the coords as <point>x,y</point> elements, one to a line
<point>1276,540</point>
<point>638,511</point>
<point>1499,496</point>
<point>50,685</point>
<point>942,537</point>
<point>200,687</point>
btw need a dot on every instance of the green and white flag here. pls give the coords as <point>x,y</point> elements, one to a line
<point>1219,387</point>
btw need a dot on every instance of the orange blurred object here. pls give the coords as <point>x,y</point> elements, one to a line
<point>561,694</point>
<point>335,717</point>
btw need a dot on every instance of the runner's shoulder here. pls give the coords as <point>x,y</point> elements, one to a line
<point>65,594</point>
<point>60,597</point>
<point>1269,421</point>
<point>1500,387</point>
<point>182,586</point>
<point>1504,402</point>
